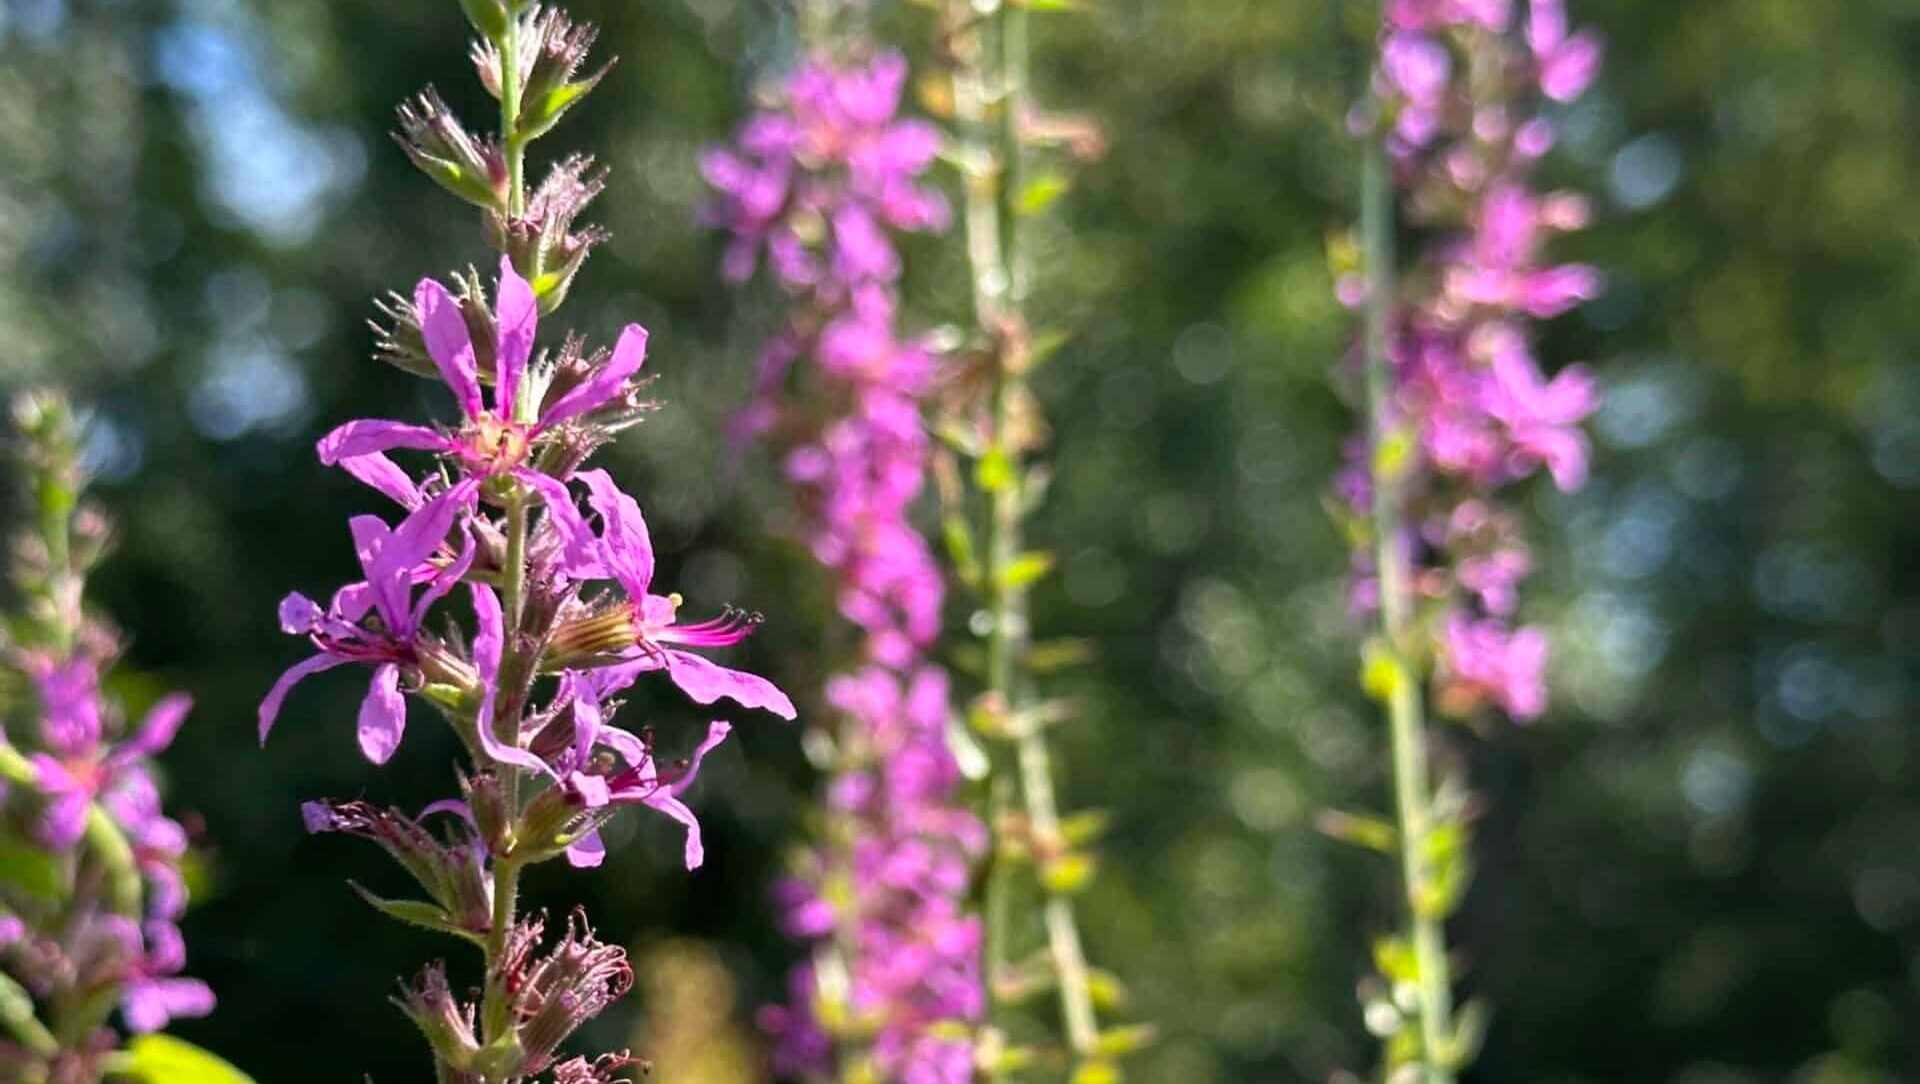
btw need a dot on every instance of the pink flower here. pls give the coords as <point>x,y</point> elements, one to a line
<point>494,441</point>
<point>378,621</point>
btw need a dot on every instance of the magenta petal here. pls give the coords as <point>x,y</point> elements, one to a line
<point>707,682</point>
<point>626,549</point>
<point>587,852</point>
<point>717,732</point>
<point>382,474</point>
<point>161,724</point>
<point>579,548</point>
<point>628,355</point>
<point>449,342</point>
<point>420,534</point>
<point>299,614</point>
<point>517,314</point>
<point>673,807</point>
<point>367,436</point>
<point>270,707</point>
<point>489,641</point>
<point>383,715</point>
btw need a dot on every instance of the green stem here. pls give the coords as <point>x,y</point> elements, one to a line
<point>510,139</point>
<point>1412,775</point>
<point>991,73</point>
<point>507,867</point>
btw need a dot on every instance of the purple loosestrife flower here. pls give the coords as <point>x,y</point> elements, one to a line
<point>378,621</point>
<point>815,183</point>
<point>525,676</point>
<point>491,441</point>
<point>1467,387</point>
<point>102,933</point>
<point>644,631</point>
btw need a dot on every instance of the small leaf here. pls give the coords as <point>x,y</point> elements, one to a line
<point>1083,828</point>
<point>1068,873</point>
<point>1121,1041</point>
<point>960,549</point>
<point>1372,833</point>
<point>1381,673</point>
<point>1395,959</point>
<point>163,1059</point>
<point>1041,193</point>
<point>419,913</point>
<point>1106,989</point>
<point>1049,656</point>
<point>1046,344</point>
<point>1469,1031</point>
<point>1390,459</point>
<point>1027,568</point>
<point>994,472</point>
<point>1096,1072</point>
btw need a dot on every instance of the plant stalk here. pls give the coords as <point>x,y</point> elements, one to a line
<point>1412,773</point>
<point>990,86</point>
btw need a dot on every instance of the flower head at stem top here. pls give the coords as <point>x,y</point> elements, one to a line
<point>491,442</point>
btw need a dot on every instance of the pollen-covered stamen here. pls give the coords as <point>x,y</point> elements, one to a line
<point>493,445</point>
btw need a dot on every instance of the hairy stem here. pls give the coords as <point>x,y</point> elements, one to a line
<point>990,85</point>
<point>1412,775</point>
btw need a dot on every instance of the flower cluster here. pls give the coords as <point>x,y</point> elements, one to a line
<point>90,909</point>
<point>815,182</point>
<point>553,568</point>
<point>1454,90</point>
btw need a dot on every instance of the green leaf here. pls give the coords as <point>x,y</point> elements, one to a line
<point>30,869</point>
<point>427,916</point>
<point>1027,568</point>
<point>960,548</point>
<point>1121,1041</point>
<point>1358,829</point>
<point>1068,873</point>
<point>1083,828</point>
<point>163,1059</point>
<point>1096,1072</point>
<point>1041,193</point>
<point>995,471</point>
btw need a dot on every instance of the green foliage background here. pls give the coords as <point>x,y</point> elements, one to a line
<point>1702,867</point>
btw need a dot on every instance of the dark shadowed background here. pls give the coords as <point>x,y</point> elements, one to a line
<point>1703,866</point>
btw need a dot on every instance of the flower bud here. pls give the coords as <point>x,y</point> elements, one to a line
<point>399,343</point>
<point>551,995</point>
<point>449,873</point>
<point>558,47</point>
<point>544,242</point>
<point>446,1022</point>
<point>473,169</point>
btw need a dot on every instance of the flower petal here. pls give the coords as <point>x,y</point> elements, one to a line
<point>587,852</point>
<point>489,641</point>
<point>383,714</point>
<point>667,803</point>
<point>370,435</point>
<point>449,342</point>
<point>270,707</point>
<point>517,313</point>
<point>706,682</point>
<point>628,355</point>
<point>381,473</point>
<point>626,549</point>
<point>717,732</point>
<point>161,724</point>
